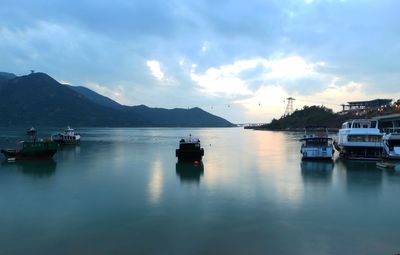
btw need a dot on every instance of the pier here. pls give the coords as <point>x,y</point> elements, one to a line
<point>392,120</point>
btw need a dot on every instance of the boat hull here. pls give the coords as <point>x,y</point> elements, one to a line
<point>392,146</point>
<point>66,140</point>
<point>189,155</point>
<point>359,152</point>
<point>309,153</point>
<point>15,154</point>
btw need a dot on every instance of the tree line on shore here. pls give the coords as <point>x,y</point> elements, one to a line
<point>323,116</point>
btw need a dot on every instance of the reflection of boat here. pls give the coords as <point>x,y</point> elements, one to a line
<point>189,150</point>
<point>316,144</point>
<point>360,139</point>
<point>32,148</point>
<point>68,136</point>
<point>360,175</point>
<point>317,165</point>
<point>391,142</point>
<point>316,170</point>
<point>190,172</point>
<point>40,168</point>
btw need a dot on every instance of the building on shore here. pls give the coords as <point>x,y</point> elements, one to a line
<point>362,106</point>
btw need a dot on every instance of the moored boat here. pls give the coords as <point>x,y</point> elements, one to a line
<point>32,148</point>
<point>68,136</point>
<point>189,150</point>
<point>391,142</point>
<point>360,139</point>
<point>385,165</point>
<point>316,144</point>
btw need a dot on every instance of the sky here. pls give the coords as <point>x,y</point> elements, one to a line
<point>236,59</point>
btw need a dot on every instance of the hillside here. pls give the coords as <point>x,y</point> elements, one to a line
<point>95,97</point>
<point>308,116</point>
<point>38,99</point>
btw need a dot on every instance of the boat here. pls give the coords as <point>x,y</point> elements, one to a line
<point>385,165</point>
<point>316,144</point>
<point>360,139</point>
<point>391,142</point>
<point>189,150</point>
<point>68,136</point>
<point>32,148</point>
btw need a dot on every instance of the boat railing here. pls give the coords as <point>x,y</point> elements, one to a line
<point>392,130</point>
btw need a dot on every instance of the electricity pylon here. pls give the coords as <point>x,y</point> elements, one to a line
<point>289,106</point>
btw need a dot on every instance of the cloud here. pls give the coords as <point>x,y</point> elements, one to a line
<point>117,94</point>
<point>221,81</point>
<point>155,69</point>
<point>229,80</point>
<point>290,68</point>
<point>298,46</point>
<point>267,102</point>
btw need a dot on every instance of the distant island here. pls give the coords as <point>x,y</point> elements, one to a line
<point>322,116</point>
<point>39,100</point>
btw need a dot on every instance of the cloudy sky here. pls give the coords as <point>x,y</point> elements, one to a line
<point>235,59</point>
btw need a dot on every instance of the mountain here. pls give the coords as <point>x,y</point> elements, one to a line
<point>5,77</point>
<point>95,97</point>
<point>194,117</point>
<point>37,99</point>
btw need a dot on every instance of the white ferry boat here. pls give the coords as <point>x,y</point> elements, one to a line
<point>360,139</point>
<point>391,142</point>
<point>68,136</point>
<point>316,144</point>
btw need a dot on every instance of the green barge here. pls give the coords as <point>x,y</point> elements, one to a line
<point>32,149</point>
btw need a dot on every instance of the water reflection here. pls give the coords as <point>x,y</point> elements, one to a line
<point>316,171</point>
<point>360,174</point>
<point>190,172</point>
<point>39,168</point>
<point>155,185</point>
<point>392,175</point>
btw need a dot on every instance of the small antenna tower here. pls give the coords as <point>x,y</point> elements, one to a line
<point>289,106</point>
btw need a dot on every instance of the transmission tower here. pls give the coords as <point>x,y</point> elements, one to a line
<point>289,106</point>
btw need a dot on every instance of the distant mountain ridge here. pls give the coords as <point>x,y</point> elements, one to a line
<point>38,99</point>
<point>7,76</point>
<point>95,97</point>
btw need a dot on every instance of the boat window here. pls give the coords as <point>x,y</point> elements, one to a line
<point>365,138</point>
<point>316,143</point>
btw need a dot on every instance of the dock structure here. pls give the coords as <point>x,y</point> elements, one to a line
<point>391,120</point>
<point>375,104</point>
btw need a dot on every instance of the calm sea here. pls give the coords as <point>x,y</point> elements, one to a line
<point>121,191</point>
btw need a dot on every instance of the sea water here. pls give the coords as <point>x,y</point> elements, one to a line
<point>121,191</point>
